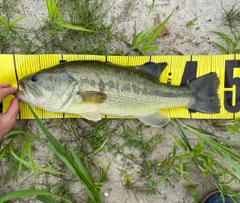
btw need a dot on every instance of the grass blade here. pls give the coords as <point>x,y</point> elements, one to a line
<point>225,152</point>
<point>5,148</point>
<point>161,180</point>
<point>199,146</point>
<point>5,22</point>
<point>231,162</point>
<point>24,193</point>
<point>156,33</point>
<point>226,38</point>
<point>46,199</point>
<point>201,131</point>
<point>34,166</point>
<point>184,138</point>
<point>100,148</point>
<point>236,51</point>
<point>104,176</point>
<point>53,10</point>
<point>50,10</point>
<point>214,144</point>
<point>51,139</point>
<point>151,48</point>
<point>180,143</point>
<point>79,163</point>
<point>224,50</point>
<point>151,7</point>
<point>16,21</point>
<point>22,156</point>
<point>141,36</point>
<point>71,27</point>
<point>80,173</point>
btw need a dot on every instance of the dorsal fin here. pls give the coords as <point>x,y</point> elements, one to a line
<point>153,69</point>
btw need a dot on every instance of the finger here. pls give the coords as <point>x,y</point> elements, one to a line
<point>8,119</point>
<point>7,91</point>
<point>3,85</point>
<point>12,112</point>
<point>2,133</point>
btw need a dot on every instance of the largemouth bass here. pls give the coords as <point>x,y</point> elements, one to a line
<point>92,88</point>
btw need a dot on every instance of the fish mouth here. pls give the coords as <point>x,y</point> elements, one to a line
<point>22,94</point>
<point>30,95</point>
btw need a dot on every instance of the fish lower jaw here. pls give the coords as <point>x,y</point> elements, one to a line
<point>20,95</point>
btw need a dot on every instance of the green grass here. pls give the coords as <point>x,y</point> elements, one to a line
<point>57,18</point>
<point>232,17</point>
<point>91,16</point>
<point>220,174</point>
<point>42,195</point>
<point>151,172</point>
<point>67,156</point>
<point>136,152</point>
<point>142,42</point>
<point>9,32</point>
<point>232,43</point>
<point>10,25</point>
<point>191,23</point>
<point>57,35</point>
<point>204,155</point>
<point>232,126</point>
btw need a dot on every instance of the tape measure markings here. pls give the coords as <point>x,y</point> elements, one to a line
<point>25,65</point>
<point>16,75</point>
<point>179,69</point>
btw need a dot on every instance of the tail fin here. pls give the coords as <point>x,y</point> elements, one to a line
<point>204,90</point>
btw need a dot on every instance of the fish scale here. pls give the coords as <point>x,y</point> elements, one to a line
<point>148,90</point>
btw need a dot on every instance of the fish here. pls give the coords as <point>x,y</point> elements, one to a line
<point>94,88</point>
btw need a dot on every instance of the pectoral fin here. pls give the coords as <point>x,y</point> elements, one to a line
<point>157,119</point>
<point>92,116</point>
<point>92,97</point>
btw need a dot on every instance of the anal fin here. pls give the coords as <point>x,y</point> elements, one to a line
<point>156,119</point>
<point>92,116</point>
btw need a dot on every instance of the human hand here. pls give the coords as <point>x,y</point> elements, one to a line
<point>8,119</point>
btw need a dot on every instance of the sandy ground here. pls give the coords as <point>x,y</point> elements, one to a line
<point>180,39</point>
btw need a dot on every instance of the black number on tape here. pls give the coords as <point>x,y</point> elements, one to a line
<point>230,81</point>
<point>189,73</point>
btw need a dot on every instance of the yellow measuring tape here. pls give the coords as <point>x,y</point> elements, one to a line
<point>180,70</point>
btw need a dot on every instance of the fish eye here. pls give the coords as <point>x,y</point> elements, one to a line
<point>34,78</point>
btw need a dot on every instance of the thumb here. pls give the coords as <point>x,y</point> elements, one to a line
<point>7,91</point>
<point>12,112</point>
<point>8,119</point>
